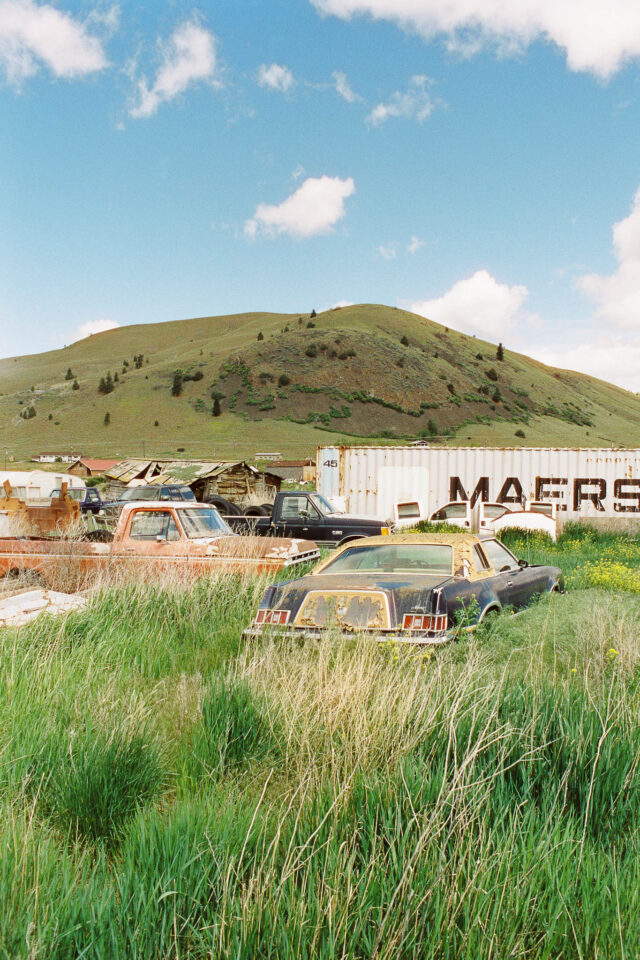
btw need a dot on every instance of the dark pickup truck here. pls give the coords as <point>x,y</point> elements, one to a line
<point>89,498</point>
<point>308,516</point>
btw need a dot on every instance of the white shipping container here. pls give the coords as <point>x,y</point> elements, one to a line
<point>584,483</point>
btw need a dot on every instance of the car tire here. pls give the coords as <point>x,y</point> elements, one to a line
<point>256,512</point>
<point>224,506</point>
<point>99,536</point>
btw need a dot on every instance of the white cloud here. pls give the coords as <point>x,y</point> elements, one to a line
<point>618,295</point>
<point>387,252</point>
<point>34,35</point>
<point>479,304</point>
<point>314,208</point>
<point>596,35</point>
<point>189,56</point>
<point>415,245</point>
<point>340,304</point>
<point>90,327</point>
<point>414,104</point>
<point>343,88</point>
<point>614,359</point>
<point>275,77</point>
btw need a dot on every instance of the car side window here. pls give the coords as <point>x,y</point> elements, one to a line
<point>494,510</point>
<point>450,511</point>
<point>481,561</point>
<point>499,557</point>
<point>151,524</point>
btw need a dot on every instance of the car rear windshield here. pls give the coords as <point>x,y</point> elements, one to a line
<point>394,558</point>
<point>203,522</point>
<point>139,493</point>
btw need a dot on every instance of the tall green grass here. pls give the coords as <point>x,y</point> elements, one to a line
<point>170,790</point>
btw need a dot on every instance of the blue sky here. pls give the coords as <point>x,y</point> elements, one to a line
<point>476,161</point>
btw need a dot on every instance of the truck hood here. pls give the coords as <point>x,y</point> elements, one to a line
<point>367,517</point>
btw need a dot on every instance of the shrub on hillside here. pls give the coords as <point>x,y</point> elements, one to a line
<point>176,386</point>
<point>491,373</point>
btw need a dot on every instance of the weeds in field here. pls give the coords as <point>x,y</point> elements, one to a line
<point>90,785</point>
<point>170,790</point>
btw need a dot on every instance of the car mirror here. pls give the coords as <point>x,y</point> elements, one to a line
<point>523,563</point>
<point>160,538</point>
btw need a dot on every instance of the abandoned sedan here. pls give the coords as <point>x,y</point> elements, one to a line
<point>416,588</point>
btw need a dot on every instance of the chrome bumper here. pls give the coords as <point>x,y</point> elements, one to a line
<point>302,558</point>
<point>388,637</point>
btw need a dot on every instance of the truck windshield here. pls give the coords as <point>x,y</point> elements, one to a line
<point>203,522</point>
<point>73,494</point>
<point>322,504</point>
<point>394,558</point>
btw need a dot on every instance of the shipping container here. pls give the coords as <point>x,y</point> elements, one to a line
<point>597,483</point>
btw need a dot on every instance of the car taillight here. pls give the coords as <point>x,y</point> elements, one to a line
<point>433,623</point>
<point>278,617</point>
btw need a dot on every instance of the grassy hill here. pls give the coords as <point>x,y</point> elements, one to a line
<point>288,382</point>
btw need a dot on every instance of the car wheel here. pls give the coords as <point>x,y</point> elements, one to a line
<point>27,577</point>
<point>224,506</point>
<point>256,512</point>
<point>99,536</point>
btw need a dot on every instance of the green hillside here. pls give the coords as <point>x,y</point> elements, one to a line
<point>288,382</point>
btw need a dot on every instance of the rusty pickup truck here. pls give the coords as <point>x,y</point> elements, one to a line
<point>150,536</point>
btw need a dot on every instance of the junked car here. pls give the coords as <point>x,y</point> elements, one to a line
<point>533,515</point>
<point>415,588</point>
<point>149,537</point>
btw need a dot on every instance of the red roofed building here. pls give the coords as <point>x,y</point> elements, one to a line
<point>87,467</point>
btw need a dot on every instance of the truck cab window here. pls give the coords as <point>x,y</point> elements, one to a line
<point>298,508</point>
<point>151,524</point>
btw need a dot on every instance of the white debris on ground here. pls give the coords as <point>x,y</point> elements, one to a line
<point>19,609</point>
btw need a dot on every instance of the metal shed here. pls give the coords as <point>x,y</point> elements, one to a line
<point>237,480</point>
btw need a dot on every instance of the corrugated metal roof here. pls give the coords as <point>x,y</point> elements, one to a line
<point>174,471</point>
<point>128,470</point>
<point>181,471</point>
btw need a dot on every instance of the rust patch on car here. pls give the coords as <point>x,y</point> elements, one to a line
<point>349,609</point>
